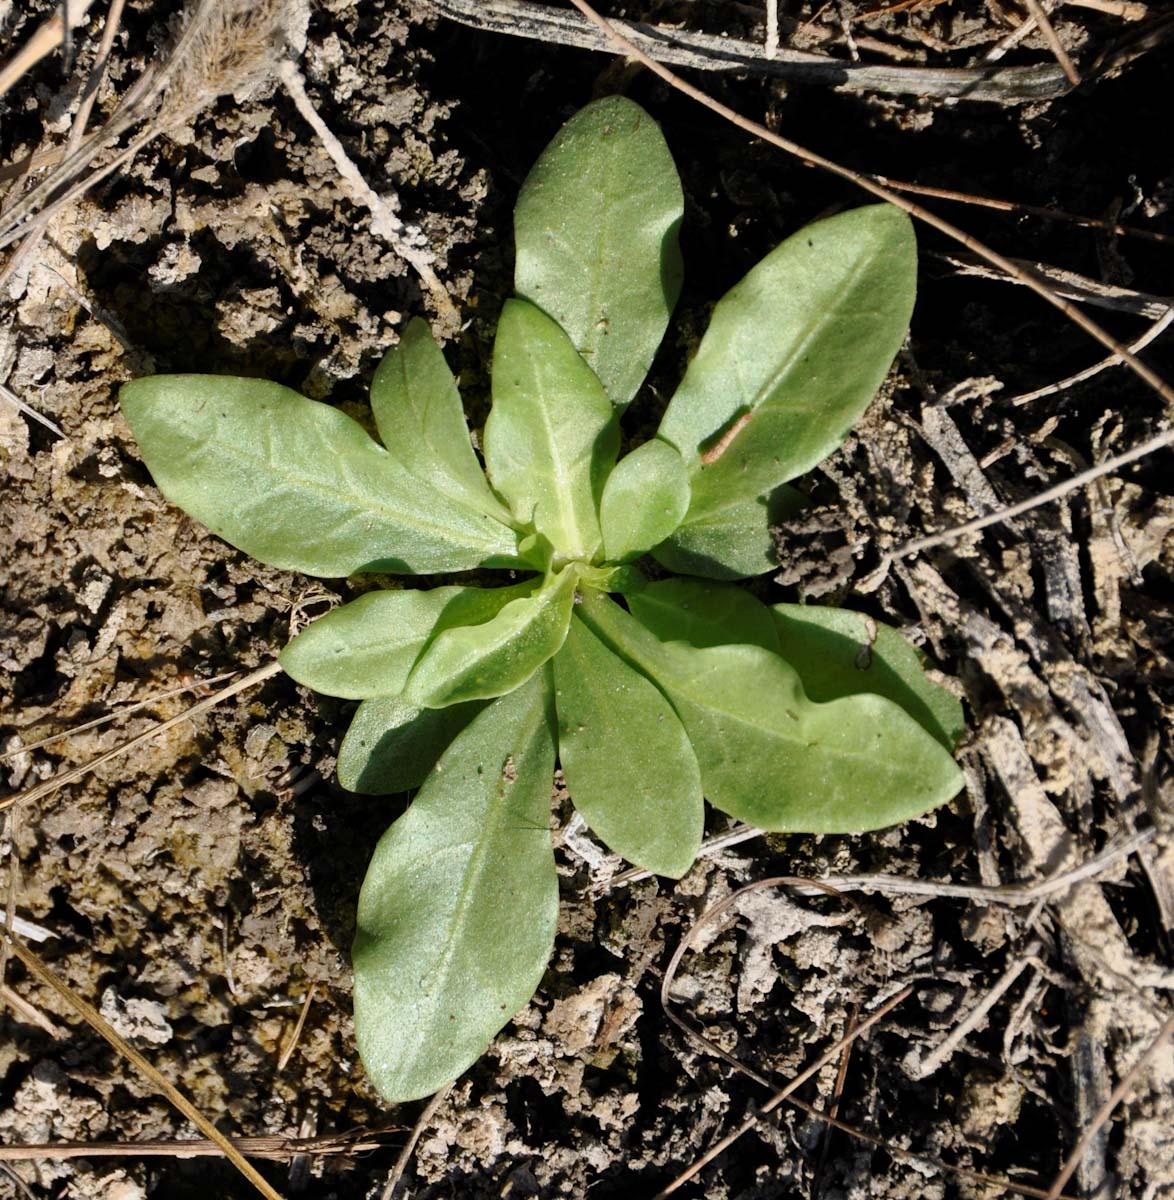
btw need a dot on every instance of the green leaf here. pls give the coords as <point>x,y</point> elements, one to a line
<point>793,355</point>
<point>733,540</point>
<point>298,484</point>
<point>552,435</point>
<point>369,646</point>
<point>391,745</point>
<point>627,760</point>
<point>767,754</point>
<point>596,231</point>
<point>477,662</point>
<point>645,498</point>
<point>421,420</point>
<point>839,653</point>
<point>703,614</point>
<point>458,911</point>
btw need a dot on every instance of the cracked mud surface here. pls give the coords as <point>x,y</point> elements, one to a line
<point>198,886</point>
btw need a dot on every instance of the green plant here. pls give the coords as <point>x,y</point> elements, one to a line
<point>689,687</point>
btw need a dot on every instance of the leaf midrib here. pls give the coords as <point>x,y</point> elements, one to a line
<point>564,491</point>
<point>478,862</point>
<point>240,456</point>
<point>818,323</point>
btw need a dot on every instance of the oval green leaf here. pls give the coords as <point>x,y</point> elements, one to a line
<point>596,231</point>
<point>298,484</point>
<point>627,760</point>
<point>391,745</point>
<point>731,541</point>
<point>552,435</point>
<point>421,420</point>
<point>771,757</point>
<point>459,907</point>
<point>840,653</point>
<point>793,355</point>
<point>645,498</point>
<point>477,662</point>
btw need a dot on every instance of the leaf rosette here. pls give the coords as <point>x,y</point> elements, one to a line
<point>653,696</point>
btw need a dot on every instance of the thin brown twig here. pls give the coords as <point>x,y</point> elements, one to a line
<point>1015,206</point>
<point>44,41</point>
<point>723,1144</point>
<point>29,1013</point>
<point>222,45</point>
<point>117,715</point>
<point>1013,894</point>
<point>384,222</point>
<point>102,1027</point>
<point>1010,40</point>
<point>1067,284</point>
<point>295,1037</point>
<point>1155,330</point>
<point>710,52</point>
<point>834,1107</point>
<point>1053,40</point>
<point>268,1146</point>
<point>10,397</point>
<point>1057,492</point>
<point>1106,1110</point>
<point>405,1155</point>
<point>10,836</point>
<point>22,1187</point>
<point>31,162</point>
<point>49,786</point>
<point>36,228</point>
<point>805,887</point>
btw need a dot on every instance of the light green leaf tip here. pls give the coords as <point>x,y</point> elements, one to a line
<point>596,228</point>
<point>369,646</point>
<point>421,420</point>
<point>644,500</point>
<point>552,435</point>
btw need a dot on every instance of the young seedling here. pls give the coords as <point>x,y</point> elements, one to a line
<point>651,695</point>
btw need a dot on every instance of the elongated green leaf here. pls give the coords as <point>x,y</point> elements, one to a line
<point>644,500</point>
<point>733,541</point>
<point>458,911</point>
<point>771,757</point>
<point>298,484</point>
<point>596,231</point>
<point>839,653</point>
<point>552,435</point>
<point>627,760</point>
<point>391,746</point>
<point>477,662</point>
<point>793,355</point>
<point>704,614</point>
<point>421,420</point>
<point>369,646</point>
